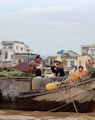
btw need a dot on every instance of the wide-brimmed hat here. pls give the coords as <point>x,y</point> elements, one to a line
<point>58,59</point>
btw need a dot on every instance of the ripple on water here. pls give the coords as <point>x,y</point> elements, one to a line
<point>23,115</point>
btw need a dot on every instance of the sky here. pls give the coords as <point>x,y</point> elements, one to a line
<point>48,26</point>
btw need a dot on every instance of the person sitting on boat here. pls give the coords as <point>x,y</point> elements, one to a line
<point>73,77</point>
<point>76,75</point>
<point>82,72</point>
<point>38,73</point>
<point>56,68</point>
<point>36,64</point>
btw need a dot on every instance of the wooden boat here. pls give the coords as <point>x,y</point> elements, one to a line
<point>18,94</point>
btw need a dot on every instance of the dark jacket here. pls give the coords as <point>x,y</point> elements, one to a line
<point>56,71</point>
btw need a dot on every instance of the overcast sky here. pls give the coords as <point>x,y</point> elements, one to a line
<point>48,26</point>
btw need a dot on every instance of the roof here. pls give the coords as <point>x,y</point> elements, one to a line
<point>72,53</point>
<point>11,42</point>
<point>88,46</point>
<point>23,66</point>
<point>68,54</point>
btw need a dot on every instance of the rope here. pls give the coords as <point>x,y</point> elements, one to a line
<point>72,98</point>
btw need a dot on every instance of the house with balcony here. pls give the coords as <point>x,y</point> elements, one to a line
<point>14,52</point>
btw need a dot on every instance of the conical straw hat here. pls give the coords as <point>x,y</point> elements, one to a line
<point>58,59</point>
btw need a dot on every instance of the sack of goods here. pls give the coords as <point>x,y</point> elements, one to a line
<point>75,75</point>
<point>52,86</point>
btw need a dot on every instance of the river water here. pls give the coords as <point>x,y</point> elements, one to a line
<point>24,115</point>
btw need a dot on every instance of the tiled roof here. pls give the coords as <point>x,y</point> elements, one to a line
<point>23,66</point>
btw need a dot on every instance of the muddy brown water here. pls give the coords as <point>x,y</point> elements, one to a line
<point>24,115</point>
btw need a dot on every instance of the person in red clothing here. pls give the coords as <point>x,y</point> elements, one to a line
<point>82,72</point>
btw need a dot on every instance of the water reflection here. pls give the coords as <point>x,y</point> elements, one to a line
<point>24,115</point>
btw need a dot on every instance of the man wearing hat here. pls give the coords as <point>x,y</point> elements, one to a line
<point>37,64</point>
<point>56,68</point>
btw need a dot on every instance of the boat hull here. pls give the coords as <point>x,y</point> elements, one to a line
<point>28,104</point>
<point>68,98</point>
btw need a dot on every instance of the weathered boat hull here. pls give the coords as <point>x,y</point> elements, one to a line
<point>69,98</point>
<point>28,104</point>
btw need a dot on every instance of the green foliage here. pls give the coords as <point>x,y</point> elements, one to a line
<point>9,72</point>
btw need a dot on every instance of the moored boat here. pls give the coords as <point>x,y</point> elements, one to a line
<point>18,94</point>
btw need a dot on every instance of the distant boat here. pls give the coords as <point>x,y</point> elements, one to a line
<point>17,94</point>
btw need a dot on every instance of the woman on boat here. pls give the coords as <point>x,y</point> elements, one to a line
<point>56,68</point>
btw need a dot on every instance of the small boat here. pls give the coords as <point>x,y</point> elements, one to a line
<point>21,93</point>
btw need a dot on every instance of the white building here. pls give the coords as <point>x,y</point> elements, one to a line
<point>10,48</point>
<point>88,50</point>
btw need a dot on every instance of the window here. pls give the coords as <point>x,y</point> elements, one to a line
<point>6,55</point>
<point>16,47</point>
<point>85,51</point>
<point>11,56</point>
<point>71,63</point>
<point>0,52</point>
<point>10,47</point>
<point>92,52</point>
<point>21,49</point>
<point>19,61</point>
